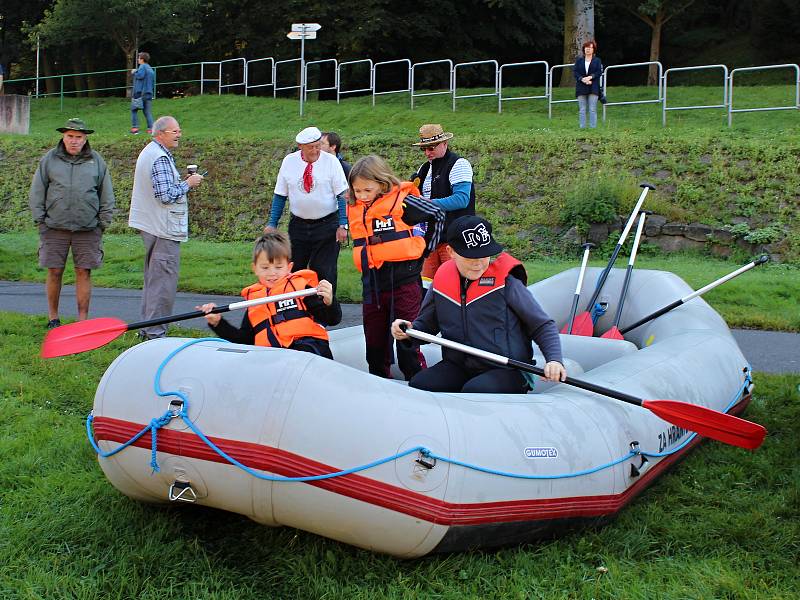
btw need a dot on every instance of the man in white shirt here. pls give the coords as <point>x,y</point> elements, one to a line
<point>314,184</point>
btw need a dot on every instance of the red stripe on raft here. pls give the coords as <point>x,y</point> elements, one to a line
<point>398,499</point>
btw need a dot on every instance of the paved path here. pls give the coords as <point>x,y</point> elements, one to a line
<point>770,351</point>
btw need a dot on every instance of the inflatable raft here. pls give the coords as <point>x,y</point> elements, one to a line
<point>288,438</point>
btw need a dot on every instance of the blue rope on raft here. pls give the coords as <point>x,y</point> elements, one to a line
<point>159,422</point>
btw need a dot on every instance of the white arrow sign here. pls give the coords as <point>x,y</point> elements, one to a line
<point>306,27</point>
<point>297,35</point>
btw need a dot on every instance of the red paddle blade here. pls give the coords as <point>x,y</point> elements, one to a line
<point>709,423</point>
<point>582,325</point>
<point>82,336</point>
<point>613,334</point>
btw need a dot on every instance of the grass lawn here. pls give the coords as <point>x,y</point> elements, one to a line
<point>765,298</point>
<point>724,523</point>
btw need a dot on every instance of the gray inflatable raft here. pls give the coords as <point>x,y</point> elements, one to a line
<point>288,438</point>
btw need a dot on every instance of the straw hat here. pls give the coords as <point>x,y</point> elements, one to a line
<point>432,134</point>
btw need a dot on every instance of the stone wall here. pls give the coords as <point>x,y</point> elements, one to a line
<point>15,114</point>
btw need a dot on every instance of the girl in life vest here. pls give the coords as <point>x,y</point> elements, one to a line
<point>388,252</point>
<point>297,323</point>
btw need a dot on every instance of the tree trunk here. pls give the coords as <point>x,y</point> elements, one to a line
<point>655,47</point>
<point>578,28</point>
<point>51,86</point>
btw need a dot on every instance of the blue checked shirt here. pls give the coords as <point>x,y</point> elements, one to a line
<point>166,187</point>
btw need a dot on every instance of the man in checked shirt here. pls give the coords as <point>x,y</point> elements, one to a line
<point>160,212</point>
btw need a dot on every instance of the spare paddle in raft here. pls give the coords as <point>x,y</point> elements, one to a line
<point>571,323</point>
<point>614,333</point>
<point>90,334</point>
<point>759,261</point>
<point>704,421</point>
<point>586,319</point>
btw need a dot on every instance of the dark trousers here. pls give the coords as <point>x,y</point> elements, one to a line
<point>314,245</point>
<point>446,376</point>
<point>402,302</point>
<point>147,104</point>
<point>313,346</point>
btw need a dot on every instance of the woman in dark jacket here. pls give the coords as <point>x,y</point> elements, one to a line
<point>588,70</point>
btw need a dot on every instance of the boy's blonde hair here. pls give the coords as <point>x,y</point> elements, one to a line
<point>274,245</point>
<point>373,168</point>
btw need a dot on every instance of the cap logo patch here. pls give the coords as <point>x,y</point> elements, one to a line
<point>477,237</point>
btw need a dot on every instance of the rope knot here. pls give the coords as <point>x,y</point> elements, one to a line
<point>155,425</point>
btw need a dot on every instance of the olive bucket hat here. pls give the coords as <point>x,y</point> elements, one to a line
<point>75,125</point>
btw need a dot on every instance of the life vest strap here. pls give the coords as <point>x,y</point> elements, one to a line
<point>389,236</point>
<point>289,315</point>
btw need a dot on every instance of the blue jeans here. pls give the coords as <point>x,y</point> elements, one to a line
<point>591,100</point>
<point>148,114</point>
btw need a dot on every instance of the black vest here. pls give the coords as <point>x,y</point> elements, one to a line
<point>440,185</point>
<point>478,315</point>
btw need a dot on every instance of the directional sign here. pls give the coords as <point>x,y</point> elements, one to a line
<point>297,35</point>
<point>306,27</point>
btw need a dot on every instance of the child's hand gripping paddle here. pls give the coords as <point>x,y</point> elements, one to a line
<point>614,333</point>
<point>705,421</point>
<point>93,333</point>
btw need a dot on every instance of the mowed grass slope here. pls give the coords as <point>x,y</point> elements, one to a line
<point>525,164</point>
<point>724,523</point>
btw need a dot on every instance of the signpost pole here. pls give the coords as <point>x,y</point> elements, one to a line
<point>302,67</point>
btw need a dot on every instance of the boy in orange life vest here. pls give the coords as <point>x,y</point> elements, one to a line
<point>296,324</point>
<point>388,250</point>
<point>485,305</point>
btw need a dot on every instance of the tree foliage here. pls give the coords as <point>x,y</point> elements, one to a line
<point>129,24</point>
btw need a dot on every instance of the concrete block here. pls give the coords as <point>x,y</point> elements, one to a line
<point>15,114</point>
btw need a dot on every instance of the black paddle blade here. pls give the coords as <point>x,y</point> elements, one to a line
<point>709,423</point>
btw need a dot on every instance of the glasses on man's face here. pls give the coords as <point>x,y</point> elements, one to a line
<point>172,131</point>
<point>431,148</point>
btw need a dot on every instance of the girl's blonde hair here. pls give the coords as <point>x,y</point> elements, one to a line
<point>373,168</point>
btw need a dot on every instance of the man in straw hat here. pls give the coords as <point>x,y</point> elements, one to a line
<point>445,178</point>
<point>72,203</point>
<point>314,183</point>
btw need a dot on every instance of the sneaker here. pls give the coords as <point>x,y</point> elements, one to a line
<point>149,132</point>
<point>53,323</point>
<point>134,131</point>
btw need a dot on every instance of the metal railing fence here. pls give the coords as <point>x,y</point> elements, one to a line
<point>411,80</point>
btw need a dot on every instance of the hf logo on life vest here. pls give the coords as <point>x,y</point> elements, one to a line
<point>384,225</point>
<point>282,305</point>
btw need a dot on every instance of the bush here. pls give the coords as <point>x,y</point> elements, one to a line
<point>594,198</point>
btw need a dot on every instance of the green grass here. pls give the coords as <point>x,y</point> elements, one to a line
<point>724,523</point>
<point>765,298</point>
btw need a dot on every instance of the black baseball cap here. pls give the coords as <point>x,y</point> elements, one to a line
<point>471,237</point>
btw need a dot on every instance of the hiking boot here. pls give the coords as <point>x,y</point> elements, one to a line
<point>53,323</point>
<point>134,131</point>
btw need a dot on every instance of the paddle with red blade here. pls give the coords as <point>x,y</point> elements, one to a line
<point>614,333</point>
<point>571,323</point>
<point>705,421</point>
<point>584,323</point>
<point>759,261</point>
<point>90,334</point>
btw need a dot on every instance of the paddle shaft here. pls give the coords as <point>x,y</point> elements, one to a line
<point>522,366</point>
<point>759,261</point>
<point>604,275</point>
<point>631,260</point>
<point>581,273</point>
<point>221,309</point>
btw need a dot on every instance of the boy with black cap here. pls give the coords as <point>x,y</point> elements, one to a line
<point>484,304</point>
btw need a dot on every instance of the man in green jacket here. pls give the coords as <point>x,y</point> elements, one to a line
<point>72,203</point>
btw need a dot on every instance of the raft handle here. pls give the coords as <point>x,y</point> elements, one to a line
<point>425,461</point>
<point>182,491</point>
<point>643,466</point>
<point>175,407</point>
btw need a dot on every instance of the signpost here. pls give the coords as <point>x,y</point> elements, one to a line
<point>303,32</point>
